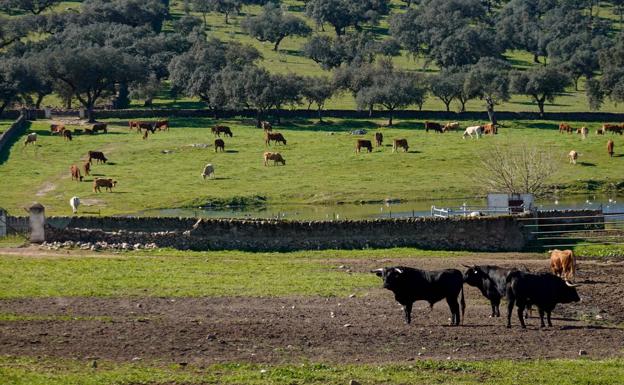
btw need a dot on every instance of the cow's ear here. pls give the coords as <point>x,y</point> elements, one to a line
<point>378,272</point>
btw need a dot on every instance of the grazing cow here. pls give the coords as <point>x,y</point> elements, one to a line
<point>145,134</point>
<point>490,129</point>
<point>208,171</point>
<point>410,285</point>
<point>363,143</point>
<point>77,131</point>
<point>219,144</point>
<point>477,130</point>
<point>97,155</point>
<point>600,131</point>
<point>609,147</point>
<point>273,136</point>
<point>565,127</point>
<point>162,125</point>
<point>87,168</point>
<point>30,138</point>
<point>613,128</point>
<point>106,183</point>
<point>147,126</point>
<point>491,281</point>
<point>451,126</point>
<point>57,128</point>
<point>266,126</point>
<point>275,157</point>
<point>67,135</point>
<point>88,131</point>
<point>132,124</point>
<point>74,202</point>
<point>573,155</point>
<point>378,139</point>
<point>584,131</point>
<point>218,130</point>
<point>100,127</point>
<point>437,127</point>
<point>75,173</point>
<point>543,290</point>
<point>563,263</point>
<point>399,143</point>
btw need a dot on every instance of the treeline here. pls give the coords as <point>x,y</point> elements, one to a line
<point>114,50</point>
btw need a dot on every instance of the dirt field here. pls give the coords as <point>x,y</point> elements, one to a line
<point>366,328</point>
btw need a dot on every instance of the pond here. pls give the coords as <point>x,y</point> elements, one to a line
<point>379,210</point>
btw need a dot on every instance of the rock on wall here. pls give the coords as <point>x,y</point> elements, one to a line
<point>478,234</point>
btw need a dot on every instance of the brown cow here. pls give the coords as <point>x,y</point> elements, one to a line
<point>275,157</point>
<point>610,148</point>
<point>100,127</point>
<point>565,127</point>
<point>97,155</point>
<point>57,128</point>
<point>219,144</point>
<point>106,183</point>
<point>563,263</point>
<point>145,134</point>
<point>490,129</point>
<point>266,126</point>
<point>363,143</point>
<point>219,129</point>
<point>132,124</point>
<point>600,131</point>
<point>273,136</point>
<point>451,126</point>
<point>87,168</point>
<point>75,173</point>
<point>400,143</point>
<point>162,125</point>
<point>437,127</point>
<point>378,139</point>
<point>614,128</point>
<point>67,135</point>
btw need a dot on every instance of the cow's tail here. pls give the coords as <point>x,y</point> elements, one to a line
<point>462,302</point>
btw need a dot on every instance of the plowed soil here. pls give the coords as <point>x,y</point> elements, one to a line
<point>368,327</point>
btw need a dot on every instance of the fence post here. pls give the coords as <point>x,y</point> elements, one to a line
<point>37,223</point>
<point>3,224</point>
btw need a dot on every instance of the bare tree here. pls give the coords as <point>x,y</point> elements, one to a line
<point>515,170</point>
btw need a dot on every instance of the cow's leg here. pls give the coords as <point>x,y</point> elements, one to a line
<point>495,307</point>
<point>408,313</point>
<point>541,314</point>
<point>454,306</point>
<point>521,314</point>
<point>548,317</point>
<point>510,305</point>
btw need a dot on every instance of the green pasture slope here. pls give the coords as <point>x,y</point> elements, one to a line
<point>321,165</point>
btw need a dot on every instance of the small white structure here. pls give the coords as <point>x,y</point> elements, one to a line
<point>515,203</point>
<point>208,171</point>
<point>3,226</point>
<point>74,202</point>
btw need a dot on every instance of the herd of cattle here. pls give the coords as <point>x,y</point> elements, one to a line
<point>147,127</point>
<point>522,288</point>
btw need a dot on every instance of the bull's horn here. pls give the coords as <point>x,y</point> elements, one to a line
<point>398,270</point>
<point>572,284</point>
<point>376,271</point>
<point>470,267</point>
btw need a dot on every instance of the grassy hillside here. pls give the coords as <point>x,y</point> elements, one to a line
<point>321,165</point>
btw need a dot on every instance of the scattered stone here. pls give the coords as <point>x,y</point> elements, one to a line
<point>94,364</point>
<point>347,325</point>
<point>331,314</point>
<point>358,132</point>
<point>263,371</point>
<point>352,296</point>
<point>183,364</point>
<point>598,316</point>
<point>136,358</point>
<point>354,382</point>
<point>582,352</point>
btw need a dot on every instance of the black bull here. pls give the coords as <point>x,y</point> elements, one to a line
<point>410,285</point>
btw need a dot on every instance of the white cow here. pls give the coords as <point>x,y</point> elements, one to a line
<point>573,155</point>
<point>478,130</point>
<point>31,138</point>
<point>208,170</point>
<point>74,202</point>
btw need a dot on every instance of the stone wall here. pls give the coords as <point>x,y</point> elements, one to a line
<point>7,137</point>
<point>477,234</point>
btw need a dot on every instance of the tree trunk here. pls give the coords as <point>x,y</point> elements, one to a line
<point>540,105</point>
<point>535,58</point>
<point>227,21</point>
<point>277,43</point>
<point>490,111</point>
<point>3,106</point>
<point>90,115</point>
<point>39,100</point>
<point>370,111</point>
<point>576,79</point>
<point>149,102</point>
<point>462,104</point>
<point>448,105</point>
<point>390,120</point>
<point>258,118</point>
<point>338,30</point>
<point>205,24</point>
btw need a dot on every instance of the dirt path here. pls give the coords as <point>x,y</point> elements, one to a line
<point>359,329</point>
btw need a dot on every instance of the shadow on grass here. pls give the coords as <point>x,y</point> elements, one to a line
<point>541,126</point>
<point>587,164</point>
<point>231,151</point>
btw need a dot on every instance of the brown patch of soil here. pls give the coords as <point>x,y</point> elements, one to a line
<point>366,328</point>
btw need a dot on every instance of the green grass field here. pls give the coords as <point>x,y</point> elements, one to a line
<point>30,371</point>
<point>321,165</point>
